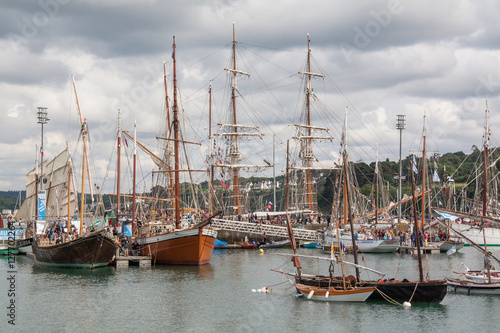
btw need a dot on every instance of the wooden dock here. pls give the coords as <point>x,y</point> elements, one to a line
<point>431,249</point>
<point>140,261</point>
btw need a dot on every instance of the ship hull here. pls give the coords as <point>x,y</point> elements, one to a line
<point>432,291</point>
<point>358,294</point>
<point>92,251</point>
<point>182,247</point>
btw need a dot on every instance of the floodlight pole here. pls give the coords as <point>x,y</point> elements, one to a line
<point>400,125</point>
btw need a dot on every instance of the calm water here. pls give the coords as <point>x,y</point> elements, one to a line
<point>218,298</point>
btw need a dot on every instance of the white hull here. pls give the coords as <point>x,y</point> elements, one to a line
<point>25,249</point>
<point>369,245</point>
<point>475,234</point>
<point>473,288</point>
<point>481,277</point>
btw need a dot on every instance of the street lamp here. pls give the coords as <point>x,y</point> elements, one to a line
<point>41,114</point>
<point>400,125</point>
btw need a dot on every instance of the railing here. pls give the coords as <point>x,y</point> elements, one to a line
<point>268,229</point>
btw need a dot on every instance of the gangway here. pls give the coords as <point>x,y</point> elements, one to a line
<point>268,229</point>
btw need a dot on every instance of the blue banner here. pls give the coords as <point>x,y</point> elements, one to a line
<point>42,212</point>
<point>127,230</point>
<point>6,233</point>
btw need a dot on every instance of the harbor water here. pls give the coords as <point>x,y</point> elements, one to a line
<point>218,297</point>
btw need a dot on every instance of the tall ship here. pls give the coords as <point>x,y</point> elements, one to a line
<point>185,243</point>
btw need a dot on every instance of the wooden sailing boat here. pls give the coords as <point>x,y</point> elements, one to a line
<point>427,291</point>
<point>345,292</point>
<point>86,251</point>
<point>190,246</point>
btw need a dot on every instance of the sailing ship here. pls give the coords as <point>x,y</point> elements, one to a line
<point>189,246</point>
<point>94,250</point>
<point>485,281</point>
<point>427,291</point>
<point>71,250</point>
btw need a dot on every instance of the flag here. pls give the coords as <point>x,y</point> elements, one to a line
<point>41,151</point>
<point>444,187</point>
<point>415,165</point>
<point>126,142</point>
<point>436,157</point>
<point>451,251</point>
<point>435,178</point>
<point>269,206</point>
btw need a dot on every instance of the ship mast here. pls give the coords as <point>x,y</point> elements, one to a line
<point>306,137</point>
<point>82,199</point>
<point>177,191</point>
<point>485,187</point>
<point>232,131</point>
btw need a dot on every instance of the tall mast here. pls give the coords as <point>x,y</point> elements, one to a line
<point>347,201</point>
<point>295,259</point>
<point>274,172</point>
<point>118,165</point>
<point>82,199</point>
<point>234,147</point>
<point>417,229</point>
<point>68,224</point>
<point>305,135</point>
<point>177,191</point>
<point>309,155</point>
<point>211,158</point>
<point>167,152</point>
<point>423,176</point>
<point>134,178</point>
<point>485,186</point>
<point>84,141</point>
<point>376,188</point>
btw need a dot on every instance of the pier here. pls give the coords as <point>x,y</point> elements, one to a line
<point>141,261</point>
<point>431,249</point>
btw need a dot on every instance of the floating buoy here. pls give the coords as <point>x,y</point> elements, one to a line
<point>311,293</point>
<point>407,304</point>
<point>254,291</point>
<point>327,294</point>
<point>259,290</point>
<point>261,251</point>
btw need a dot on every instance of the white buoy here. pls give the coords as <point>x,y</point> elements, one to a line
<point>259,290</point>
<point>254,291</point>
<point>311,293</point>
<point>407,304</point>
<point>327,294</point>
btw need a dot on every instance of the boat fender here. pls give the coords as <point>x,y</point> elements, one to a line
<point>254,291</point>
<point>311,293</point>
<point>327,294</point>
<point>406,304</point>
<point>261,251</point>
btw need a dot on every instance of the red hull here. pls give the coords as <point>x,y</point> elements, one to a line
<point>184,247</point>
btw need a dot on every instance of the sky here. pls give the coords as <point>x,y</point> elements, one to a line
<point>379,59</point>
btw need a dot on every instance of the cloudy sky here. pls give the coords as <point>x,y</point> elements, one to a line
<point>379,58</point>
